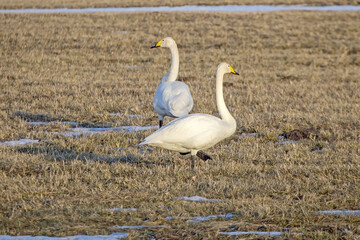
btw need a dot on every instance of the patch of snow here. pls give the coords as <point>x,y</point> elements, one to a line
<point>75,132</point>
<point>247,135</point>
<point>148,149</point>
<point>130,66</point>
<point>70,123</point>
<point>120,209</point>
<point>345,212</point>
<point>135,115</point>
<point>115,114</point>
<point>19,142</point>
<point>270,234</point>
<point>113,236</point>
<point>205,218</point>
<point>37,123</point>
<point>287,142</point>
<point>197,199</point>
<point>46,123</point>
<point>138,226</point>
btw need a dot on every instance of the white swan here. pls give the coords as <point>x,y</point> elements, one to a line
<point>195,132</point>
<point>172,98</point>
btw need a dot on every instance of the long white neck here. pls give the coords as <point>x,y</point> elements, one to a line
<point>174,68</point>
<point>223,111</point>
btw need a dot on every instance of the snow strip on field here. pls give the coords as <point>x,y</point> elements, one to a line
<point>247,135</point>
<point>285,142</point>
<point>75,132</point>
<point>113,236</point>
<point>120,209</point>
<point>129,115</point>
<point>205,218</point>
<point>130,66</point>
<point>121,32</point>
<point>46,123</point>
<point>270,234</point>
<point>19,142</point>
<point>341,212</point>
<point>138,226</point>
<point>197,199</point>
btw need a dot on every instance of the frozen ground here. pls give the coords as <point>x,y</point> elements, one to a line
<point>138,227</point>
<point>195,219</point>
<point>341,212</point>
<point>197,199</point>
<point>79,131</point>
<point>121,209</point>
<point>19,142</point>
<point>269,234</point>
<point>206,218</point>
<point>75,132</point>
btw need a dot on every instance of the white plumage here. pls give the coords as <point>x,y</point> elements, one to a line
<point>195,132</point>
<point>172,98</point>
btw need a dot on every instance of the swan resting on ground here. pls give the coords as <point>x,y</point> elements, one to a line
<point>172,98</point>
<point>196,132</point>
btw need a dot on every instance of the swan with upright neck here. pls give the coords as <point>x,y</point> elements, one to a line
<point>172,98</point>
<point>196,132</point>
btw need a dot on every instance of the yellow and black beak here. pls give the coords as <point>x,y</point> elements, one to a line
<point>157,45</point>
<point>233,72</point>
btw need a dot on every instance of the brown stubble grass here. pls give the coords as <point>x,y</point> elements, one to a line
<point>298,70</point>
<point>16,4</point>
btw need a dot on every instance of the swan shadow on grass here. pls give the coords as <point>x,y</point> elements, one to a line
<point>30,117</point>
<point>53,152</point>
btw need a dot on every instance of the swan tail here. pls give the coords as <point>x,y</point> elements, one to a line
<point>143,143</point>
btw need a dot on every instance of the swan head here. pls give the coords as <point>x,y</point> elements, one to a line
<point>165,42</point>
<point>226,68</point>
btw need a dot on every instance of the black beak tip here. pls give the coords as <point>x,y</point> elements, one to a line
<point>153,46</point>
<point>237,73</point>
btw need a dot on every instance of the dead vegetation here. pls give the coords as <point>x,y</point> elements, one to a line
<point>298,71</point>
<point>15,4</point>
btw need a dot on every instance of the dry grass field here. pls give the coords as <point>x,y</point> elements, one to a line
<point>298,71</point>
<point>140,3</point>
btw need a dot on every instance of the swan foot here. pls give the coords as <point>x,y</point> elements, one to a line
<point>184,153</point>
<point>203,156</point>
<point>160,123</point>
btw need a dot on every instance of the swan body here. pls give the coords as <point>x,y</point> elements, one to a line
<point>195,132</point>
<point>191,133</point>
<point>172,98</point>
